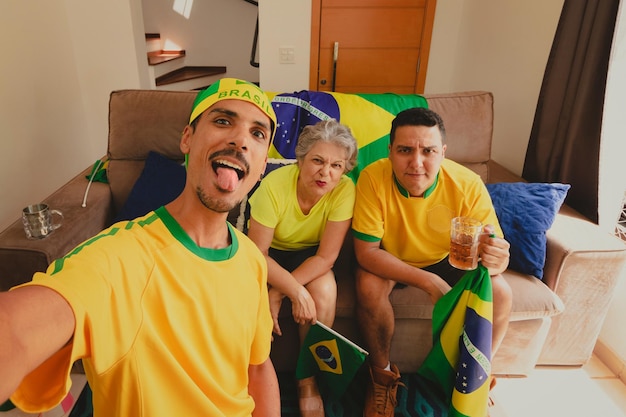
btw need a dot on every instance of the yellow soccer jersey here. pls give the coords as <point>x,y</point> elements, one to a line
<point>166,328</point>
<point>417,229</point>
<point>275,205</point>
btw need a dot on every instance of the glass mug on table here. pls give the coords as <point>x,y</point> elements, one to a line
<point>464,238</point>
<point>37,220</point>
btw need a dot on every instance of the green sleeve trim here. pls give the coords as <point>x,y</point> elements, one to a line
<point>365,237</point>
<point>58,263</point>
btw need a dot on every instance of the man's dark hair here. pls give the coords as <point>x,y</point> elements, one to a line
<point>417,116</point>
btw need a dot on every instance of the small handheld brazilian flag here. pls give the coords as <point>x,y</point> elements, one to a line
<point>331,357</point>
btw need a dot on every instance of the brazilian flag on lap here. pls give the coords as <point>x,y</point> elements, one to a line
<point>458,368</point>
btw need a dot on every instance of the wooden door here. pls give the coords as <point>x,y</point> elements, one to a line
<point>380,45</point>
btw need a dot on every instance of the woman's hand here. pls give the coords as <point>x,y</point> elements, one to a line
<point>276,300</point>
<point>303,307</point>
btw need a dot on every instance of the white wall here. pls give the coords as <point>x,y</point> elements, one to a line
<point>217,33</point>
<point>60,61</point>
<point>276,31</point>
<point>613,152</point>
<point>498,46</point>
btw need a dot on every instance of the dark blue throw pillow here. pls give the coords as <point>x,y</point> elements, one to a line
<point>160,182</point>
<point>526,211</point>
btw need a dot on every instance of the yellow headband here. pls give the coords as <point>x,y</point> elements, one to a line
<point>233,89</point>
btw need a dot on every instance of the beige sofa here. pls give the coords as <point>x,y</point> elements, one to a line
<point>554,321</point>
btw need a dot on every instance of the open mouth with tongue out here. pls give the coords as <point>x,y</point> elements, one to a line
<point>228,174</point>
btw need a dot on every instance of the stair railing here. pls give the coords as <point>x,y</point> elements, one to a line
<point>255,40</point>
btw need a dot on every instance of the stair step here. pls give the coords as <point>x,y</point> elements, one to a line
<point>165,67</point>
<point>153,42</point>
<point>188,73</point>
<point>159,57</point>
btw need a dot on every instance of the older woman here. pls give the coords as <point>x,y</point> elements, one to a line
<point>299,217</point>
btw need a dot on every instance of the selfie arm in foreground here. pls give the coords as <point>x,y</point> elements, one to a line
<point>35,322</point>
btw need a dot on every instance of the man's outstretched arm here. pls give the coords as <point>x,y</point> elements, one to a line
<point>35,322</point>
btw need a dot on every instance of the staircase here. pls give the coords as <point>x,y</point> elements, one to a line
<point>168,72</point>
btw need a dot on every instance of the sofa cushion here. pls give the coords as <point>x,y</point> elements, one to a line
<point>468,119</point>
<point>160,182</point>
<point>526,211</point>
<point>532,299</point>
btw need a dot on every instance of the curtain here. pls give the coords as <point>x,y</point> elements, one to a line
<point>564,144</point>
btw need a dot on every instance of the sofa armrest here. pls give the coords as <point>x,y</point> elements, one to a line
<point>20,257</point>
<point>579,250</point>
<point>583,266</point>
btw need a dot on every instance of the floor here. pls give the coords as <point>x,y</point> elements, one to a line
<point>592,390</point>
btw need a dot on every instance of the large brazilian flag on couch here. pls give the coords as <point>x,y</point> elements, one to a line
<point>369,117</point>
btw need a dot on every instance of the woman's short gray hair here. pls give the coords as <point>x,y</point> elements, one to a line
<point>330,131</point>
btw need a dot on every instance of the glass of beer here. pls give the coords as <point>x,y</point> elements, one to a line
<point>464,234</point>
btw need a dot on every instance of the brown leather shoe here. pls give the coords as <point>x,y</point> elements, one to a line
<point>380,396</point>
<point>309,398</point>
